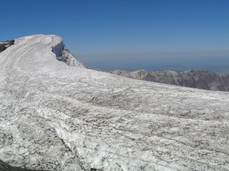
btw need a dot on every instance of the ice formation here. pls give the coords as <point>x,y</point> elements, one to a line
<point>69,118</point>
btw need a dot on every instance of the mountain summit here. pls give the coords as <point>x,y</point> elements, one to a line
<point>57,117</point>
<point>39,53</point>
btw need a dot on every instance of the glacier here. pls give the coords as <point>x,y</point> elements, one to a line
<point>56,114</point>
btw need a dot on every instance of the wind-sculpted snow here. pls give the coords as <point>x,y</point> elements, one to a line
<point>59,117</point>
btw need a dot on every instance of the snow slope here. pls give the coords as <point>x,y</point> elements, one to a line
<point>59,117</point>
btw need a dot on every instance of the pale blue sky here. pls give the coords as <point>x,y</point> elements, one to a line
<point>134,30</point>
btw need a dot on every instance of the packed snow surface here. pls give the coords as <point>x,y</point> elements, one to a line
<point>59,117</point>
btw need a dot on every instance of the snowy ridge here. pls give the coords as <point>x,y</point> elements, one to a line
<point>63,54</point>
<point>62,118</point>
<point>38,53</point>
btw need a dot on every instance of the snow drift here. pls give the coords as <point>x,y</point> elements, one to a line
<point>59,117</point>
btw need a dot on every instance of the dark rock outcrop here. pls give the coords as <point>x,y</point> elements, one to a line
<point>191,78</point>
<point>5,44</point>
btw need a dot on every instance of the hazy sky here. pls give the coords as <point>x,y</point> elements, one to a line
<point>130,29</point>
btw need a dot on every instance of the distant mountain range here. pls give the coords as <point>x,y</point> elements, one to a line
<point>58,115</point>
<point>191,78</point>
